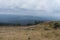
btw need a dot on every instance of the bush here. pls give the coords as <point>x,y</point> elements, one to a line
<point>37,22</point>
<point>56,25</point>
<point>29,24</point>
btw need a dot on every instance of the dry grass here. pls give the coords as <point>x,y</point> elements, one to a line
<point>37,32</point>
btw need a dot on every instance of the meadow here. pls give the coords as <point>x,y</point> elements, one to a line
<point>44,31</point>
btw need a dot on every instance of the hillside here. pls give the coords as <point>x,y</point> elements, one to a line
<point>42,31</point>
<point>23,19</point>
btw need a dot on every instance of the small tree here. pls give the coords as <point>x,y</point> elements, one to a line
<point>37,22</point>
<point>56,25</point>
<point>29,24</point>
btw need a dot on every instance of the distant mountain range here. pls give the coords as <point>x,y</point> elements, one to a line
<point>22,19</point>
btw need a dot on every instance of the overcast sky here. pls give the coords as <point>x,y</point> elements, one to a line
<point>30,7</point>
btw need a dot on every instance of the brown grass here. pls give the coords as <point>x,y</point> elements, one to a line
<point>37,32</point>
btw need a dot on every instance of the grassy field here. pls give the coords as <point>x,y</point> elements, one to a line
<point>36,32</point>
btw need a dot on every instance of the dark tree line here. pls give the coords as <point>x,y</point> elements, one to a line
<point>8,24</point>
<point>19,24</point>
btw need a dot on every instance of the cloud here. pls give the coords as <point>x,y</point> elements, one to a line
<point>48,6</point>
<point>31,4</point>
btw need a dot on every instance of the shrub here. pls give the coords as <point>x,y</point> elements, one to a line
<point>37,22</point>
<point>56,25</point>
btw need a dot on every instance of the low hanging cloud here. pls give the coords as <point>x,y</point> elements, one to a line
<point>46,5</point>
<point>31,4</point>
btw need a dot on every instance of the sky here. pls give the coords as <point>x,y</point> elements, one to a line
<point>31,7</point>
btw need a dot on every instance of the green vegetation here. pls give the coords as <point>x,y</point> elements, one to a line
<point>9,24</point>
<point>56,25</point>
<point>19,24</point>
<point>50,25</point>
<point>40,31</point>
<point>47,25</point>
